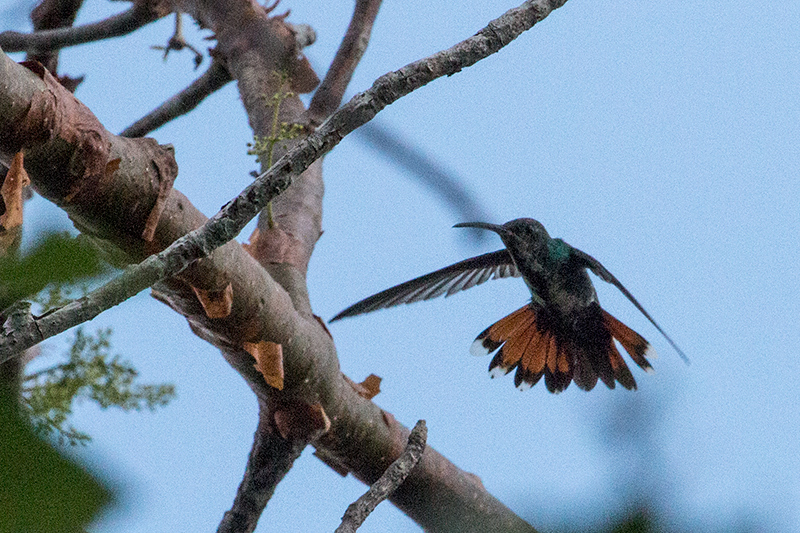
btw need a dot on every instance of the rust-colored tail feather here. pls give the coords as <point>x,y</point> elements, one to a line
<point>636,346</point>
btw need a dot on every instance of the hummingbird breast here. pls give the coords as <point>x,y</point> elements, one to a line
<point>558,283</point>
<point>570,291</point>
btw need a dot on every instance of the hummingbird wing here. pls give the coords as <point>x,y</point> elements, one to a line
<point>601,272</point>
<point>447,281</point>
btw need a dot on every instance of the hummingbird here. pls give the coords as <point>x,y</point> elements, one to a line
<point>562,334</point>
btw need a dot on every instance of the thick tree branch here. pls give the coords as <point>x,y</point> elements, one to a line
<point>282,243</point>
<point>330,93</point>
<point>141,14</point>
<point>263,55</point>
<point>394,476</point>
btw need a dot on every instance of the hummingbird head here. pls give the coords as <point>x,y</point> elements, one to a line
<point>524,235</point>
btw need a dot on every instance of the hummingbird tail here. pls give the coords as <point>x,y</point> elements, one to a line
<point>532,342</point>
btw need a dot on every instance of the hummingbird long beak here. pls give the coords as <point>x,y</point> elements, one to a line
<point>497,228</point>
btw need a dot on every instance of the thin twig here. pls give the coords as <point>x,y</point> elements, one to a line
<point>213,79</point>
<point>134,18</point>
<point>229,221</point>
<point>178,42</point>
<point>392,478</point>
<point>331,91</point>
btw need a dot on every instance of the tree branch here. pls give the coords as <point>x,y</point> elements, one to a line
<point>139,15</point>
<point>235,215</point>
<point>213,79</point>
<point>394,476</point>
<point>270,459</point>
<point>264,56</point>
<point>48,15</point>
<point>330,93</point>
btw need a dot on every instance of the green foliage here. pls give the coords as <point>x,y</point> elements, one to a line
<point>57,258</point>
<point>90,373</point>
<point>263,147</point>
<point>51,274</point>
<point>39,489</point>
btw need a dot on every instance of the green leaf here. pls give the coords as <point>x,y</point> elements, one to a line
<point>55,259</point>
<point>40,490</point>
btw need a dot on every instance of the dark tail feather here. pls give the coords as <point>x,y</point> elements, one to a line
<point>621,371</point>
<point>584,374</point>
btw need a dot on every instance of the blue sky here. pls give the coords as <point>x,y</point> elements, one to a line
<point>660,138</point>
